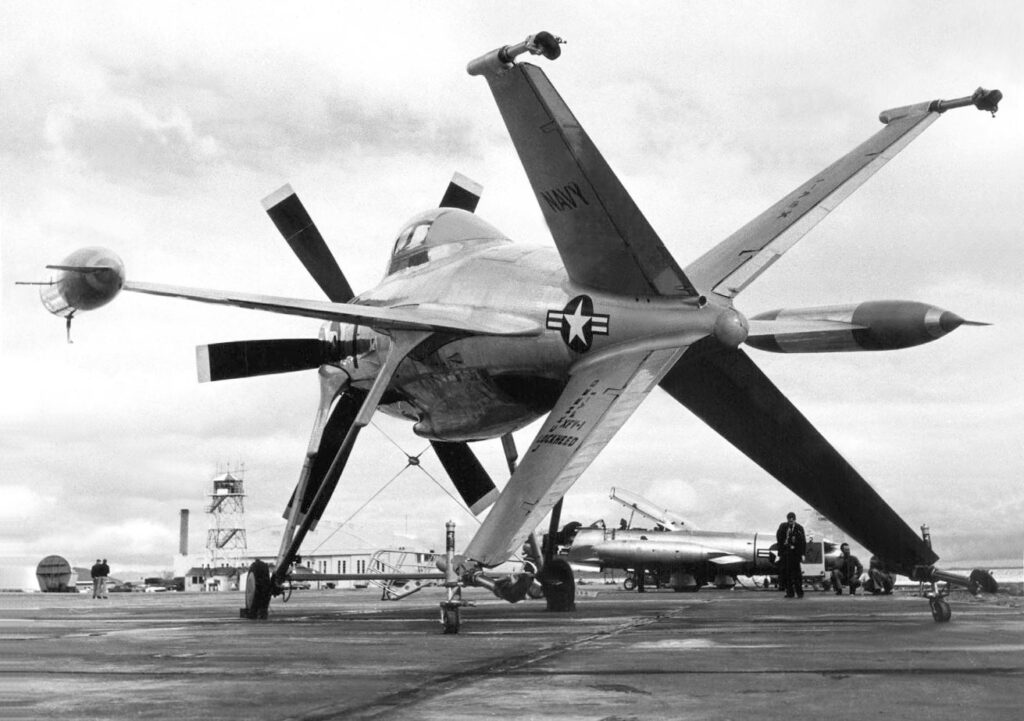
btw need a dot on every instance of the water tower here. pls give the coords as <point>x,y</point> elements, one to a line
<point>225,540</point>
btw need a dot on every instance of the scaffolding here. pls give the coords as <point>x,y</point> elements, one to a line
<point>225,540</point>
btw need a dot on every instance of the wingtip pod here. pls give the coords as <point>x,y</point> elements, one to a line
<point>500,60</point>
<point>870,326</point>
<point>89,279</point>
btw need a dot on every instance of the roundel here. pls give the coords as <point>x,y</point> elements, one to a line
<point>578,323</point>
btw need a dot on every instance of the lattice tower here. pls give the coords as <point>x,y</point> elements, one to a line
<point>225,539</point>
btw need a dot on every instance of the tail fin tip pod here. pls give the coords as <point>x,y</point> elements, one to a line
<point>984,100</point>
<point>501,59</point>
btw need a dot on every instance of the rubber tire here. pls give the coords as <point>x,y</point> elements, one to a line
<point>559,584</point>
<point>257,590</point>
<point>449,619</point>
<point>940,610</point>
<point>984,581</point>
<point>629,584</point>
<point>548,45</point>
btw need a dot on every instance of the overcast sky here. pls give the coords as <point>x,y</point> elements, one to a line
<point>156,129</point>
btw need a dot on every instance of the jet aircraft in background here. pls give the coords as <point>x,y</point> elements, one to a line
<point>673,551</point>
<point>470,336</point>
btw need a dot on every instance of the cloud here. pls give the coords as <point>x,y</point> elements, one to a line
<point>157,132</point>
<point>127,140</point>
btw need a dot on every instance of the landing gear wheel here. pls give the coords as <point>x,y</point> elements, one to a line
<point>559,584</point>
<point>629,584</point>
<point>940,610</point>
<point>548,45</point>
<point>450,617</point>
<point>984,581</point>
<point>257,591</point>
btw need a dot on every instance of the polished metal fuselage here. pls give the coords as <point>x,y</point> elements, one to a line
<point>618,548</point>
<point>462,388</point>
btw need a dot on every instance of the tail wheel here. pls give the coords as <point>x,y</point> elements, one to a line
<point>559,584</point>
<point>450,617</point>
<point>984,581</point>
<point>257,590</point>
<point>940,610</point>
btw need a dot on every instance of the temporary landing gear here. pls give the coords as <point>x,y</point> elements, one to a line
<point>979,580</point>
<point>559,584</point>
<point>257,591</point>
<point>450,616</point>
<point>940,609</point>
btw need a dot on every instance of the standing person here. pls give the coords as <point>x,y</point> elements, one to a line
<point>104,572</point>
<point>792,545</point>
<point>95,573</point>
<point>847,571</point>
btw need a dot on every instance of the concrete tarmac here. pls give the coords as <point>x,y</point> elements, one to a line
<point>661,655</point>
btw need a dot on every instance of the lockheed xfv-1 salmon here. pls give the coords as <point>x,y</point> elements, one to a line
<point>471,337</point>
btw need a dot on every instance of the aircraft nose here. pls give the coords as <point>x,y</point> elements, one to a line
<point>950,321</point>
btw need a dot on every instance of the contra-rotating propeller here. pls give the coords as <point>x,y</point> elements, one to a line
<point>247,358</point>
<point>336,426</point>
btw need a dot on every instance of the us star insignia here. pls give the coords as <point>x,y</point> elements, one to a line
<point>578,323</point>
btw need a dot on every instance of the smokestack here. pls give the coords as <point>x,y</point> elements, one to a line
<point>183,533</point>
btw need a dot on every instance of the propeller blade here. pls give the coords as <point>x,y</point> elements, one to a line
<point>247,358</point>
<point>470,479</point>
<point>290,216</point>
<point>462,193</point>
<point>337,428</point>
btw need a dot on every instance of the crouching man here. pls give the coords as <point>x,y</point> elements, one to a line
<point>847,571</point>
<point>879,579</point>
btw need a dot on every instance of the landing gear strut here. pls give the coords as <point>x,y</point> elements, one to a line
<point>450,617</point>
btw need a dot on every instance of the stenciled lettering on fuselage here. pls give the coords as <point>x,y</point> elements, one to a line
<point>569,197</point>
<point>568,428</point>
<point>578,323</point>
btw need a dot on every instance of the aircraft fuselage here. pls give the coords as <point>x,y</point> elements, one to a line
<point>618,548</point>
<point>468,388</point>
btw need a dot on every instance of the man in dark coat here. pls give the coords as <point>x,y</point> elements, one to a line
<point>792,544</point>
<point>847,571</point>
<point>95,574</point>
<point>104,571</point>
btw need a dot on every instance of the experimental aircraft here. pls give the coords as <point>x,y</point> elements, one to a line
<point>471,337</point>
<point>686,558</point>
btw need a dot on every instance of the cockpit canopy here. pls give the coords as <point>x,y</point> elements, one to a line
<point>438,233</point>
